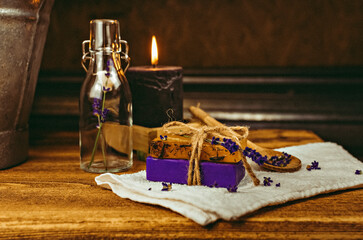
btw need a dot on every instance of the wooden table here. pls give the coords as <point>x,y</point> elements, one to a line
<point>49,197</point>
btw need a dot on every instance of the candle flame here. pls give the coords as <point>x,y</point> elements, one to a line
<point>154,52</point>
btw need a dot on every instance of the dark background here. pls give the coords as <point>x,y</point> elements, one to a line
<point>267,64</point>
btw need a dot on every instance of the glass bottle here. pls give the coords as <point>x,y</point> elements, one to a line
<point>105,126</point>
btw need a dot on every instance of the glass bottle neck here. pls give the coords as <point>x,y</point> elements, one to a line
<point>105,61</point>
<point>105,68</point>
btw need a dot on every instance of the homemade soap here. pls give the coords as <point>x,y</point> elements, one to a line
<point>168,161</point>
<point>212,174</point>
<point>178,147</point>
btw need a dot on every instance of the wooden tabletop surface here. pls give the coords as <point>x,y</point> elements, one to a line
<point>50,197</point>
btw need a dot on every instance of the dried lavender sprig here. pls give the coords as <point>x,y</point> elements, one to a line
<point>100,112</point>
<point>254,155</point>
<point>230,145</point>
<point>215,141</point>
<point>280,161</point>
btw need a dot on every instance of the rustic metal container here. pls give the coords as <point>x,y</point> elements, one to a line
<point>23,30</point>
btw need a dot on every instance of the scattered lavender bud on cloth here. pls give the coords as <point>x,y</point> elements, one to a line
<point>267,181</point>
<point>358,172</point>
<point>214,185</point>
<point>232,189</point>
<point>166,186</point>
<point>314,165</point>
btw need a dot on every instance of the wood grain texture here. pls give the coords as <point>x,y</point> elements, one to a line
<point>49,197</point>
<point>213,33</point>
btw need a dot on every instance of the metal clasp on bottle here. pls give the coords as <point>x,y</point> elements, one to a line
<point>123,55</point>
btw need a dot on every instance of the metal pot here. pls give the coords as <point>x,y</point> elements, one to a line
<point>23,30</point>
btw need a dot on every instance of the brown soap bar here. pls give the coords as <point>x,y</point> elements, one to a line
<point>177,147</point>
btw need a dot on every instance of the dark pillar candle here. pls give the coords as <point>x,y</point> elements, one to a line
<point>157,94</point>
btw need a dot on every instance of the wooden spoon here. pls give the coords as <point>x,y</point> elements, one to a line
<point>294,165</point>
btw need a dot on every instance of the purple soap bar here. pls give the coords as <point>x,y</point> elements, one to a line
<point>212,174</point>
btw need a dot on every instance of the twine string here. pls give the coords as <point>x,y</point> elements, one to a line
<point>198,136</point>
<point>170,114</point>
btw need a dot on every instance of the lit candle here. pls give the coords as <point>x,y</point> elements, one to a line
<point>157,92</point>
<point>154,52</point>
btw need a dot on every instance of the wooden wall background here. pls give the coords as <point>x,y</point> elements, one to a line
<point>266,63</point>
<point>214,33</point>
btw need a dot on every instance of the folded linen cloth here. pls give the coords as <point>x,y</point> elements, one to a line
<point>205,205</point>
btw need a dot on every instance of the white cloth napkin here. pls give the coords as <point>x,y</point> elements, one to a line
<point>205,205</point>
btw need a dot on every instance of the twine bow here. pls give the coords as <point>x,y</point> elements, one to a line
<point>198,136</point>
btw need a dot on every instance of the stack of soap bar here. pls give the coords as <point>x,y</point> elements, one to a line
<point>169,162</point>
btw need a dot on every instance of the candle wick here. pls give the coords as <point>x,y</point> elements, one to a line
<point>154,65</point>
